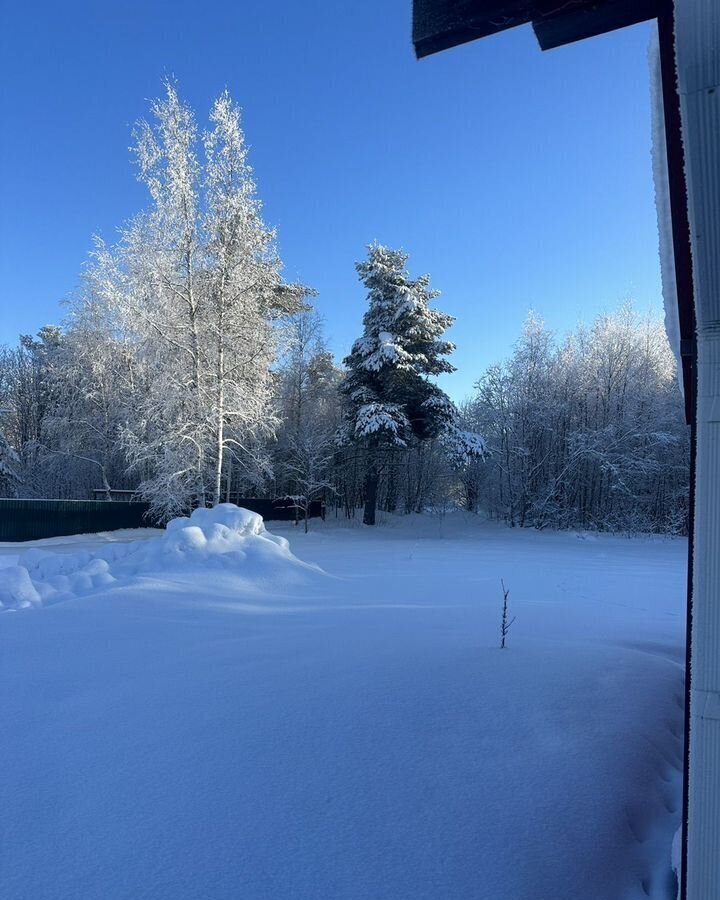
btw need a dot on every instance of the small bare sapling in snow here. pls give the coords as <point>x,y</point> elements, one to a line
<point>506,623</point>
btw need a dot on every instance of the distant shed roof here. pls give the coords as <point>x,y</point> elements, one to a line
<point>441,24</point>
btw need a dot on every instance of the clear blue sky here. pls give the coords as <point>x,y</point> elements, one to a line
<point>517,179</point>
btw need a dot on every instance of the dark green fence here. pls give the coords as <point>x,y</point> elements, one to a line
<point>28,520</point>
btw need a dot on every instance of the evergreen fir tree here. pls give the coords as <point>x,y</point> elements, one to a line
<point>390,400</point>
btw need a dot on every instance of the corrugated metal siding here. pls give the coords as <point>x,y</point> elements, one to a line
<point>698,56</point>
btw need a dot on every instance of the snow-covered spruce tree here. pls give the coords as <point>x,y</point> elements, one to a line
<point>390,400</point>
<point>197,281</point>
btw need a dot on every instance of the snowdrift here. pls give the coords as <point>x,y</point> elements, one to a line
<point>225,537</point>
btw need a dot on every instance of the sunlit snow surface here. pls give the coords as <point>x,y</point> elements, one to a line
<point>222,720</point>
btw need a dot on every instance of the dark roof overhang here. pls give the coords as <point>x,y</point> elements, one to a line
<point>441,24</point>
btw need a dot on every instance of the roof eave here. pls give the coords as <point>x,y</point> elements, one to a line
<point>442,24</point>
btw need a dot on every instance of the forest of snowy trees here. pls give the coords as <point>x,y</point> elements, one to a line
<point>189,370</point>
<point>587,432</point>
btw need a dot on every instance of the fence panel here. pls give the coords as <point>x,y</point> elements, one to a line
<point>29,520</point>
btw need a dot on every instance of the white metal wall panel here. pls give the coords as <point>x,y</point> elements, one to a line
<point>698,56</point>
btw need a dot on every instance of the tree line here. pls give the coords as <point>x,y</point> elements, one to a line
<point>587,432</point>
<point>190,371</point>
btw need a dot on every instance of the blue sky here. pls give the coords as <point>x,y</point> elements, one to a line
<point>517,179</point>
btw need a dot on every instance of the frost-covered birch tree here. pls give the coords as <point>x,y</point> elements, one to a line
<point>10,479</point>
<point>93,375</point>
<point>246,292</point>
<point>196,282</point>
<point>308,407</point>
<point>585,432</point>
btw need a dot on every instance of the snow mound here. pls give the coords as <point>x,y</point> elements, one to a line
<point>17,590</point>
<point>225,536</point>
<point>223,529</point>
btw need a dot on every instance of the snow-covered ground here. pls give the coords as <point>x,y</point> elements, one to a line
<point>214,719</point>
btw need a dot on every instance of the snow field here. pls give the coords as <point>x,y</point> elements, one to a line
<point>195,732</point>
